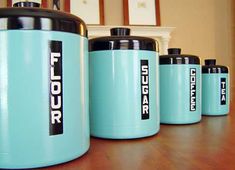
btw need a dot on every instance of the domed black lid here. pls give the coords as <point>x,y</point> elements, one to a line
<point>175,57</point>
<point>120,39</point>
<point>211,67</point>
<point>28,18</point>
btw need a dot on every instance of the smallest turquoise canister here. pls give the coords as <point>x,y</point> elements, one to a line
<point>215,89</point>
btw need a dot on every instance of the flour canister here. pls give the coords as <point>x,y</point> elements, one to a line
<point>180,88</point>
<point>215,89</point>
<point>43,87</point>
<point>124,97</point>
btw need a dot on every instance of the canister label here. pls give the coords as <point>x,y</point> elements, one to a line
<point>56,88</point>
<point>223,91</point>
<point>192,89</point>
<point>144,89</point>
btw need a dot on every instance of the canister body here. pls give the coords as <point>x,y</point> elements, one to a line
<point>215,94</point>
<point>180,95</point>
<point>123,83</point>
<point>29,134</point>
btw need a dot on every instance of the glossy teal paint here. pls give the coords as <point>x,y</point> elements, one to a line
<point>211,94</point>
<point>115,94</point>
<point>175,94</point>
<point>24,99</point>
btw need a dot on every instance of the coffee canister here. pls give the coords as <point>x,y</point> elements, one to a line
<point>124,97</point>
<point>215,89</point>
<point>43,88</point>
<point>180,88</point>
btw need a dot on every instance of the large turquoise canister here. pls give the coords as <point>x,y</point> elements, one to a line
<point>215,89</point>
<point>124,97</point>
<point>43,88</point>
<point>180,88</point>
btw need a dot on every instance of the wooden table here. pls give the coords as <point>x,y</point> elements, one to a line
<point>206,145</point>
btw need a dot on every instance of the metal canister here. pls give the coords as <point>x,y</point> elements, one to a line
<point>180,88</point>
<point>124,97</point>
<point>43,87</point>
<point>215,89</point>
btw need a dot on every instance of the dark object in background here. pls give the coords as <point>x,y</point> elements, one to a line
<point>56,4</point>
<point>62,5</point>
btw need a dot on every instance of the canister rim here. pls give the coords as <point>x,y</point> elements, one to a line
<point>211,69</point>
<point>179,59</point>
<point>41,19</point>
<point>123,43</point>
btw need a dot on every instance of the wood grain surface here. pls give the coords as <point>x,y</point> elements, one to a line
<point>207,145</point>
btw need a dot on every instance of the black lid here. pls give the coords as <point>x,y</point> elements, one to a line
<point>18,18</point>
<point>26,4</point>
<point>120,31</point>
<point>174,51</point>
<point>210,67</point>
<point>210,62</point>
<point>120,39</point>
<point>175,57</point>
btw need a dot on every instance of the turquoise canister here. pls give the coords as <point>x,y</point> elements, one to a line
<point>180,88</point>
<point>124,97</point>
<point>43,88</point>
<point>215,89</point>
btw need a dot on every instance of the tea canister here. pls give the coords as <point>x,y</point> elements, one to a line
<point>124,97</point>
<point>43,88</point>
<point>180,88</point>
<point>215,89</point>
